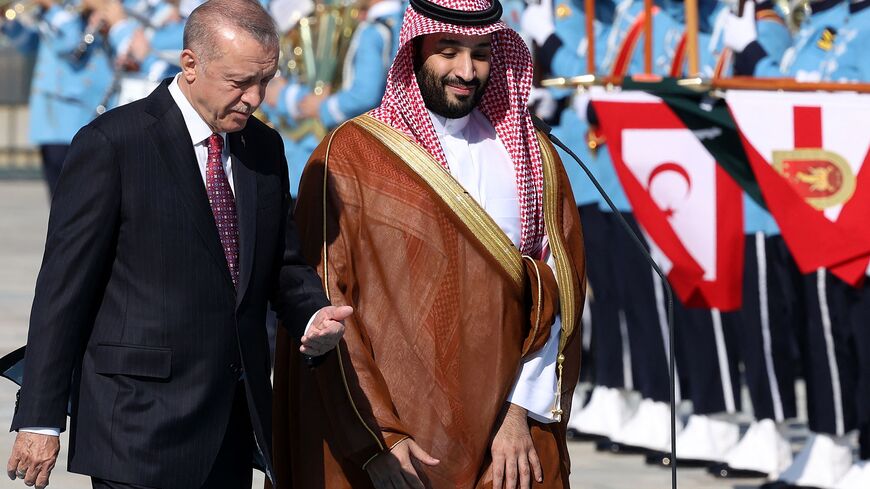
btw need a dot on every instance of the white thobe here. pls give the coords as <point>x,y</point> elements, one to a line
<point>479,161</point>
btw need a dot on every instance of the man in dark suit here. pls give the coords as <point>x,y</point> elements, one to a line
<point>169,234</point>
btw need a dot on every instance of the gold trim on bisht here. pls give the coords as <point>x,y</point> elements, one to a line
<point>494,240</point>
<point>451,192</point>
<point>564,273</point>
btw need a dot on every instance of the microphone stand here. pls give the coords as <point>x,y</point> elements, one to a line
<point>546,129</point>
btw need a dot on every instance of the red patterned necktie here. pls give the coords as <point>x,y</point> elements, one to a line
<point>223,205</point>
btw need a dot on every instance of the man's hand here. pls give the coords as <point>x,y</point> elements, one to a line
<point>395,469</point>
<point>140,46</point>
<point>33,458</point>
<point>514,459</point>
<point>325,331</point>
<point>309,106</point>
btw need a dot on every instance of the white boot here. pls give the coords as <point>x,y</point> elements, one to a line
<point>762,449</point>
<point>858,477</point>
<point>649,428</point>
<point>607,411</point>
<point>822,462</point>
<point>707,439</point>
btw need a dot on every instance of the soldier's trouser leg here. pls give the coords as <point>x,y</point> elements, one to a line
<point>763,329</point>
<point>607,341</point>
<point>710,365</point>
<point>860,316</point>
<point>828,356</point>
<point>642,315</point>
<point>52,163</point>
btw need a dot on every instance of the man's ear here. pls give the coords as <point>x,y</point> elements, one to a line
<point>189,62</point>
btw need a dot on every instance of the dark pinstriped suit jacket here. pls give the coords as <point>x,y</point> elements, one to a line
<point>135,303</point>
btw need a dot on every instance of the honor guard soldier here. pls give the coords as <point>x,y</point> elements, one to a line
<point>853,65</point>
<point>824,337</point>
<point>71,76</point>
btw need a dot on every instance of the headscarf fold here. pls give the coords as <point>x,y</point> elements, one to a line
<point>503,103</point>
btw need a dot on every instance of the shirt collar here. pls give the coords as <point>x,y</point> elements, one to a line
<point>383,9</point>
<point>449,127</point>
<point>198,129</point>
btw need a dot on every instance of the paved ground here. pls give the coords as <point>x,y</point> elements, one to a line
<point>23,217</point>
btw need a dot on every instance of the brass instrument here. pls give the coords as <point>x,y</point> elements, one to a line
<point>313,52</point>
<point>795,12</point>
<point>314,49</point>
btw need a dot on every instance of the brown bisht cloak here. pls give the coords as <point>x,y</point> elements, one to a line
<point>445,310</point>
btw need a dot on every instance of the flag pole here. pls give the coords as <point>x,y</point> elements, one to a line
<point>647,36</point>
<point>590,36</point>
<point>692,37</point>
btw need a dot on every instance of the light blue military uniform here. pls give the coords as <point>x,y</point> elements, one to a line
<point>850,47</point>
<point>370,54</point>
<point>164,34</point>
<point>811,56</point>
<point>68,81</point>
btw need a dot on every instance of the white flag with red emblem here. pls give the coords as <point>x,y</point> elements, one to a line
<point>809,153</point>
<point>690,208</point>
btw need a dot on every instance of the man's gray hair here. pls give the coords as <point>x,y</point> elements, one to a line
<point>203,24</point>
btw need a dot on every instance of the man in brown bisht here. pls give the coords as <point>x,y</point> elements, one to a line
<point>448,224</point>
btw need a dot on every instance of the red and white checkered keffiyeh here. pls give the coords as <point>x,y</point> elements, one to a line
<point>503,103</point>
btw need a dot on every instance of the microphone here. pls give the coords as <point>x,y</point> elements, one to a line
<point>548,131</point>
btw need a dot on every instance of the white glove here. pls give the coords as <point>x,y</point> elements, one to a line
<point>537,21</point>
<point>543,102</point>
<point>741,31</point>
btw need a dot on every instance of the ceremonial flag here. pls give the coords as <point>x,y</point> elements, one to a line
<point>689,206</point>
<point>710,121</point>
<point>809,153</point>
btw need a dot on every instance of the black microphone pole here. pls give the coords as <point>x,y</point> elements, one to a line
<point>545,128</point>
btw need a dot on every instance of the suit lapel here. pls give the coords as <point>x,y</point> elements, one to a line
<point>171,137</point>
<point>245,185</point>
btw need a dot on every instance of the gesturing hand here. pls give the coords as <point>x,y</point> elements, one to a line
<point>33,458</point>
<point>395,469</point>
<point>514,459</point>
<point>326,330</point>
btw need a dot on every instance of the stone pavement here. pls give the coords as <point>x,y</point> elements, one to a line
<point>23,219</point>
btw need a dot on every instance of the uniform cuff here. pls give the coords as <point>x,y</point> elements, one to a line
<point>746,60</point>
<point>547,52</point>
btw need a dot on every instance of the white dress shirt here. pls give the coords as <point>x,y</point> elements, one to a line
<point>479,161</point>
<point>199,134</point>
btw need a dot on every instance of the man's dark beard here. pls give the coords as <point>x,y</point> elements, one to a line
<point>435,97</point>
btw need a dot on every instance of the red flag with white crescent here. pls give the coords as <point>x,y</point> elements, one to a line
<point>810,154</point>
<point>690,208</point>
